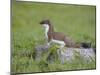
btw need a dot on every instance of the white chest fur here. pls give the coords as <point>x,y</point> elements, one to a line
<point>46,26</point>
<point>46,30</point>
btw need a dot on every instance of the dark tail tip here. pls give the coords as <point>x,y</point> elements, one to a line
<point>86,45</point>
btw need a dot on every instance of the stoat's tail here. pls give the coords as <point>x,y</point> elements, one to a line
<point>70,43</point>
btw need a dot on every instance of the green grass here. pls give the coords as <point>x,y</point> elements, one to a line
<point>77,21</point>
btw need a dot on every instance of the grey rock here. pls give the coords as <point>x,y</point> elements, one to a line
<point>86,54</point>
<point>67,54</point>
<point>39,50</point>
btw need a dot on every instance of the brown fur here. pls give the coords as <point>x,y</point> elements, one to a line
<point>58,35</point>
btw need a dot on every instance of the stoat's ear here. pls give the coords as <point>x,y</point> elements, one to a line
<point>45,22</point>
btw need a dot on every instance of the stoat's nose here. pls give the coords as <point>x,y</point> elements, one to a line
<point>41,23</point>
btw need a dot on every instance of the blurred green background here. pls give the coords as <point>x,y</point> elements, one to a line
<point>77,21</point>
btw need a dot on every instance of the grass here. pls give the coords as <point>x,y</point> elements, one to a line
<point>77,21</point>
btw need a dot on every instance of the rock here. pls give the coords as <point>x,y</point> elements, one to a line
<point>67,54</point>
<point>87,54</point>
<point>39,50</point>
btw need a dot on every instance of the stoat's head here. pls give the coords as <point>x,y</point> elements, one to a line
<point>45,23</point>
